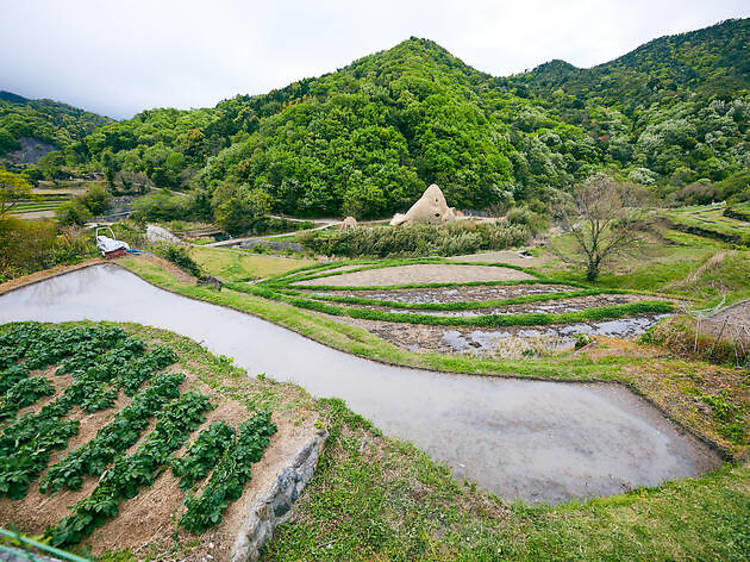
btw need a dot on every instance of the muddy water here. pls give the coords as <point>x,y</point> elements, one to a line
<point>527,440</point>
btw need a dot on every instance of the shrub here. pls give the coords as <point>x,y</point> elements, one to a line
<point>697,194</point>
<point>73,212</point>
<point>28,246</point>
<point>417,240</point>
<point>523,216</point>
<point>179,256</point>
<point>163,205</point>
<point>96,200</point>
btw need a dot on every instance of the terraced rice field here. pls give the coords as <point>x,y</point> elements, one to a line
<point>460,307</point>
<point>44,202</point>
<point>711,221</point>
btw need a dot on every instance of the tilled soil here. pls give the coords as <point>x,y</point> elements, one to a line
<point>551,307</point>
<point>510,341</point>
<point>455,294</point>
<point>147,522</point>
<point>420,273</point>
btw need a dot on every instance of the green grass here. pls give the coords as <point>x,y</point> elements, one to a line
<point>374,498</point>
<point>281,288</point>
<point>360,342</point>
<point>41,202</point>
<point>664,266</point>
<point>710,221</point>
<point>663,381</point>
<point>240,265</point>
<point>460,305</point>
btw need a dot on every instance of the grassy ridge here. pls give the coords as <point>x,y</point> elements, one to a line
<point>281,288</point>
<point>461,305</point>
<point>488,320</point>
<point>373,498</point>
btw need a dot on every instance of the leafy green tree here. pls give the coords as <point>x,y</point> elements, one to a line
<point>13,189</point>
<point>7,142</point>
<point>73,212</point>
<point>238,208</point>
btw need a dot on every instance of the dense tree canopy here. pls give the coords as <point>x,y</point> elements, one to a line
<point>365,140</point>
<point>45,121</point>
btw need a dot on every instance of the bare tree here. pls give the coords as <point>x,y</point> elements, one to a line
<point>604,219</point>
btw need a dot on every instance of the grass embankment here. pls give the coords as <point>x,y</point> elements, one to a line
<point>671,262</point>
<point>281,289</point>
<point>673,385</point>
<point>241,265</point>
<point>374,498</point>
<point>485,320</point>
<point>460,305</point>
<point>711,221</point>
<point>41,202</point>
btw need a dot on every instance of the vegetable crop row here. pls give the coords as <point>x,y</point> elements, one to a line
<point>230,475</point>
<point>131,472</point>
<point>114,438</point>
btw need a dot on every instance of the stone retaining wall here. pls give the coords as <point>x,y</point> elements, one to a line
<point>275,507</point>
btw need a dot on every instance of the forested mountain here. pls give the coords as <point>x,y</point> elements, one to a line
<point>48,124</point>
<point>367,139</point>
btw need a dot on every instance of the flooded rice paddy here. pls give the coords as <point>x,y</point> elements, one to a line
<point>535,441</point>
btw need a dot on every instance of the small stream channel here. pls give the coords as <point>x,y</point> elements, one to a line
<point>535,441</point>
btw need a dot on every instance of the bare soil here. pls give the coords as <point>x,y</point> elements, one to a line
<point>512,257</point>
<point>506,341</point>
<point>732,322</point>
<point>457,294</point>
<point>420,273</point>
<point>550,307</point>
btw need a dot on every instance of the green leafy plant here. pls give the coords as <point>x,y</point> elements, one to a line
<point>229,476</point>
<point>203,454</point>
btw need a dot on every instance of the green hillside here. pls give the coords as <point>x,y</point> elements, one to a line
<point>368,138</point>
<point>39,126</point>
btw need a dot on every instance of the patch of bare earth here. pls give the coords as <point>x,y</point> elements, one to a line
<point>420,273</point>
<point>512,257</point>
<point>551,307</point>
<point>732,322</point>
<point>416,337</point>
<point>464,293</point>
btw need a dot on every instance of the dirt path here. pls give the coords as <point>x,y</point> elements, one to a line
<point>420,273</point>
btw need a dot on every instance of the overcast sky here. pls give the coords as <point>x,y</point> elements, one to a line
<point>119,57</point>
